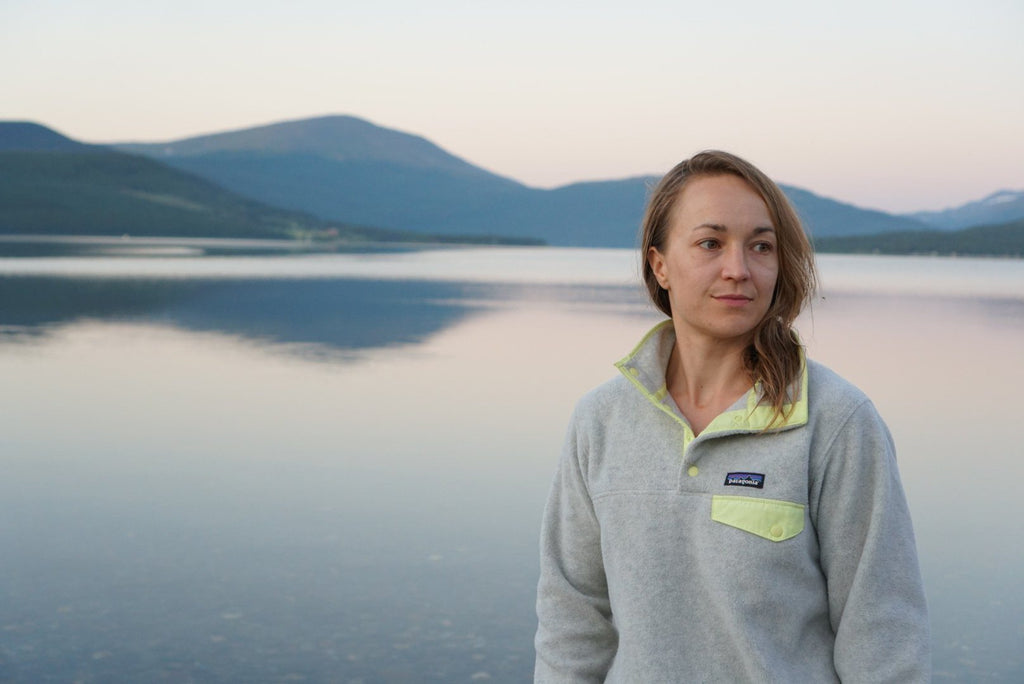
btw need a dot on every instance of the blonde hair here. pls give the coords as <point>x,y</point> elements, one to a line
<point>773,356</point>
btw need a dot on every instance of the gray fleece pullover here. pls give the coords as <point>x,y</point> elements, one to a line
<point>738,555</point>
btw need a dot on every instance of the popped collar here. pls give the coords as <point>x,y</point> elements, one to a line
<point>645,368</point>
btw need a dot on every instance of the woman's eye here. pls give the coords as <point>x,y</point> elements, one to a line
<point>708,244</point>
<point>764,247</point>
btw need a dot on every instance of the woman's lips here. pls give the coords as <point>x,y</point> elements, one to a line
<point>733,300</point>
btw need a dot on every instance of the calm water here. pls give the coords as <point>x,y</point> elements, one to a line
<point>332,467</point>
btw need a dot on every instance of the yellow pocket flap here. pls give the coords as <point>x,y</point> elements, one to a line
<point>769,518</point>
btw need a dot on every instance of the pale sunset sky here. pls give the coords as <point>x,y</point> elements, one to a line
<point>899,106</point>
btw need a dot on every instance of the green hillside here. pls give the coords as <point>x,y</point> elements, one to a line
<point>94,191</point>
<point>1004,239</point>
<point>110,193</point>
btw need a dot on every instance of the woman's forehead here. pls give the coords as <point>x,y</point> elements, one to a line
<point>722,202</point>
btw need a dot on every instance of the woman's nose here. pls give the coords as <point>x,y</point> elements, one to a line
<point>734,266</point>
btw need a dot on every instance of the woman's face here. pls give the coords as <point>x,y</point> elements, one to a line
<point>720,262</point>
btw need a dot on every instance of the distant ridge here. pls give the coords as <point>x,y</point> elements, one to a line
<point>337,137</point>
<point>332,175</point>
<point>345,168</point>
<point>829,217</point>
<point>1004,239</point>
<point>24,136</point>
<point>999,207</point>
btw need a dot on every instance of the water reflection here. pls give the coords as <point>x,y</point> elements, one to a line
<point>183,502</point>
<point>334,314</point>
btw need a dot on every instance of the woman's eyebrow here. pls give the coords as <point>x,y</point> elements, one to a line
<point>719,228</point>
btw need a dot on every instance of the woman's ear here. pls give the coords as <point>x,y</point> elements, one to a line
<point>657,264</point>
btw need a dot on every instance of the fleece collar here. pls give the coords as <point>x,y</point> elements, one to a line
<point>645,368</point>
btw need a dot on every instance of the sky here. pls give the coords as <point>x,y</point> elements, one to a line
<point>894,105</point>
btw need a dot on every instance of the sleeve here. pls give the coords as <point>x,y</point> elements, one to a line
<point>868,554</point>
<point>575,639</point>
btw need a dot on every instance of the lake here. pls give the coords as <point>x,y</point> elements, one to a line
<point>258,466</point>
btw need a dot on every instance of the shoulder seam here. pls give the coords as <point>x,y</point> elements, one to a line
<point>842,424</point>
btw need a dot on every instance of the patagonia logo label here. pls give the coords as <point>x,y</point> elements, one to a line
<point>745,480</point>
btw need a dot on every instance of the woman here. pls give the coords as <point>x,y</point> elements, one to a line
<point>725,510</point>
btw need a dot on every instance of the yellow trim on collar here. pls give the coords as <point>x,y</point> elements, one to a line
<point>643,341</point>
<point>759,416</point>
<point>754,418</point>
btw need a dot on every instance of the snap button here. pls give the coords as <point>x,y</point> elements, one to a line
<point>634,372</point>
<point>692,471</point>
<point>776,531</point>
<point>737,419</point>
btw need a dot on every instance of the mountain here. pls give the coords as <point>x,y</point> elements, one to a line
<point>1004,239</point>
<point>26,136</point>
<point>347,169</point>
<point>341,138</point>
<point>999,207</point>
<point>344,168</point>
<point>50,184</point>
<point>825,217</point>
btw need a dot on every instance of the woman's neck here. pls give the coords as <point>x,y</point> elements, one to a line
<point>705,377</point>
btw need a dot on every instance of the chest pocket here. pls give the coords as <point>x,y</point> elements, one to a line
<point>768,518</point>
